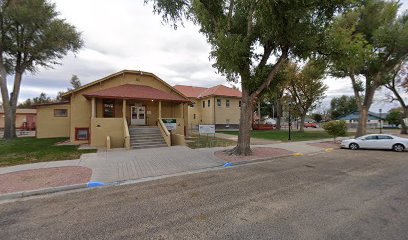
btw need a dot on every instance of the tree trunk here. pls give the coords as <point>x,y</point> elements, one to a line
<point>302,122</point>
<point>403,125</point>
<point>278,114</point>
<point>10,103</point>
<point>244,138</point>
<point>362,122</point>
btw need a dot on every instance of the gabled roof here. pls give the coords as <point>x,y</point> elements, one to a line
<point>118,74</point>
<point>141,92</point>
<point>190,91</point>
<point>200,92</point>
<point>371,116</point>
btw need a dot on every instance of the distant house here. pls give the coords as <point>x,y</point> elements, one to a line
<point>218,105</point>
<point>373,118</point>
<point>25,118</point>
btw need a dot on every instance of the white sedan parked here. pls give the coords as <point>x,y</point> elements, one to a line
<point>376,141</point>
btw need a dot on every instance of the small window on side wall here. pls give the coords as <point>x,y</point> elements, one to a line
<point>239,104</point>
<point>60,112</point>
<point>227,103</point>
<point>81,134</point>
<point>203,104</point>
<point>209,103</point>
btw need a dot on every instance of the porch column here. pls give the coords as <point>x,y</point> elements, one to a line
<point>124,108</point>
<point>93,108</point>
<point>159,109</point>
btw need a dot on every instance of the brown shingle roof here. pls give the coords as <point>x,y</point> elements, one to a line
<point>201,92</point>
<point>130,91</point>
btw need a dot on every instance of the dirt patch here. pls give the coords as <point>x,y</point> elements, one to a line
<point>257,153</point>
<point>328,144</point>
<point>43,178</point>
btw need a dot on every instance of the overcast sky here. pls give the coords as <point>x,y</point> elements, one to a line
<point>125,34</point>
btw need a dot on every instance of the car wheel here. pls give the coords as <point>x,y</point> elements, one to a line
<point>354,146</point>
<point>398,147</point>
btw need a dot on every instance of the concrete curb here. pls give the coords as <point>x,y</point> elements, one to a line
<point>15,195</point>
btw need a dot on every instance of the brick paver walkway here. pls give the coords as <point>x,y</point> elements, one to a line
<point>121,165</point>
<point>43,178</point>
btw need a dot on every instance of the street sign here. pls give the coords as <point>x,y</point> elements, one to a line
<point>206,129</point>
<point>170,124</point>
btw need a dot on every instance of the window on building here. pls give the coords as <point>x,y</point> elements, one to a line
<point>219,102</point>
<point>60,112</point>
<point>203,104</point>
<point>239,103</point>
<point>227,123</point>
<point>227,103</point>
<point>108,108</point>
<point>81,133</point>
<point>192,105</point>
<point>194,116</point>
<point>209,103</point>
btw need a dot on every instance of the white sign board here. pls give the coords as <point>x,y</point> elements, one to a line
<point>406,121</point>
<point>206,129</point>
<point>170,124</point>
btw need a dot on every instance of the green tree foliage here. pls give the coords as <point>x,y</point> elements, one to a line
<point>75,82</point>
<point>29,103</point>
<point>272,98</point>
<point>306,87</point>
<point>317,117</point>
<point>367,42</point>
<point>342,106</point>
<point>394,117</point>
<point>237,29</point>
<point>336,129</point>
<point>31,36</point>
<point>397,84</point>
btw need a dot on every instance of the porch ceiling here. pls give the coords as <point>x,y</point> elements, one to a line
<point>137,92</point>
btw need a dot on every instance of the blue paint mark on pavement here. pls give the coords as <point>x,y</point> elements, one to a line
<point>228,164</point>
<point>95,184</point>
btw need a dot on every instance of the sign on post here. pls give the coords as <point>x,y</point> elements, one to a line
<point>206,129</point>
<point>170,124</point>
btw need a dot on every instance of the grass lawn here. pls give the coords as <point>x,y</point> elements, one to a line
<point>208,142</point>
<point>282,135</point>
<point>32,150</point>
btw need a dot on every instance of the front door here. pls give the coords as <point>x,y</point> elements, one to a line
<point>138,115</point>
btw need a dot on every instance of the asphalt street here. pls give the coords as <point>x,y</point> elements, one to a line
<point>342,194</point>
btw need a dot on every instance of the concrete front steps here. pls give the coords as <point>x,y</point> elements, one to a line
<point>146,137</point>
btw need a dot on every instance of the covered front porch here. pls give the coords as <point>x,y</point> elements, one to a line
<point>112,114</point>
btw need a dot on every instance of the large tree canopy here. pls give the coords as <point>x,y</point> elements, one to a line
<point>31,36</point>
<point>251,39</point>
<point>367,43</point>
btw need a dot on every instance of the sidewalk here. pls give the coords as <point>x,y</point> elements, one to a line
<point>121,165</point>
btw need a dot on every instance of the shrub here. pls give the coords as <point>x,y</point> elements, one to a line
<point>336,129</point>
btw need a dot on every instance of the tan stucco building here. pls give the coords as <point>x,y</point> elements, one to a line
<point>104,112</point>
<point>218,105</point>
<point>25,118</point>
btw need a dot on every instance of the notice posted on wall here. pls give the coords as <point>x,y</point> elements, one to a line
<point>171,124</point>
<point>206,129</point>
